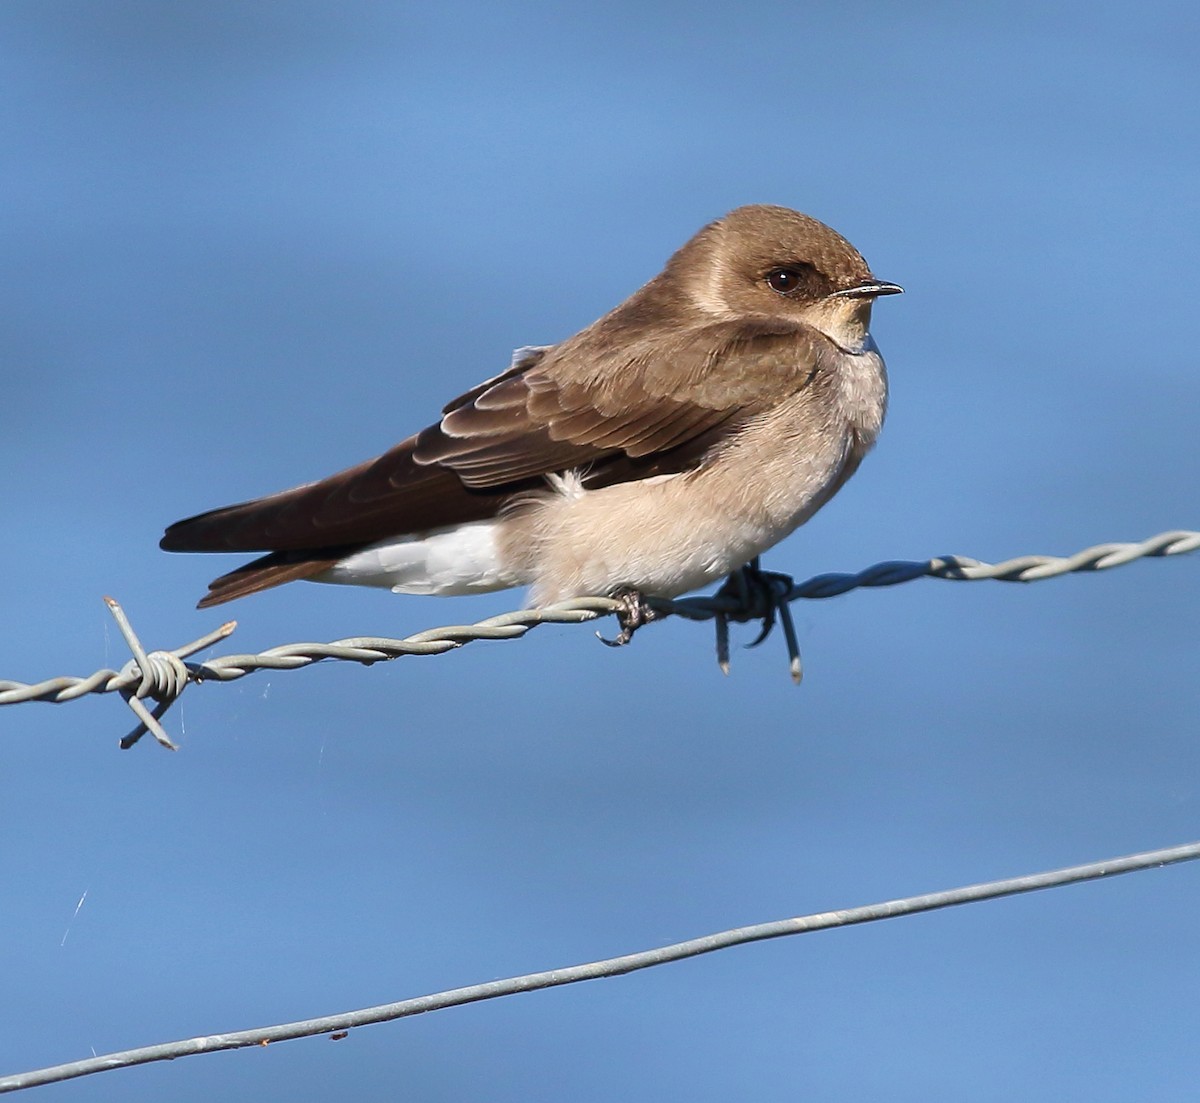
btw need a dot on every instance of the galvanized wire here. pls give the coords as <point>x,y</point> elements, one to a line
<point>163,675</point>
<point>339,1024</point>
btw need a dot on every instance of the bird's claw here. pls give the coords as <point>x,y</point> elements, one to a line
<point>634,612</point>
<point>751,593</point>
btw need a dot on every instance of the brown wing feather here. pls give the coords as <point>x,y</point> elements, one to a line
<point>552,416</point>
<point>523,359</point>
<point>602,402</point>
<point>271,570</point>
<point>383,497</point>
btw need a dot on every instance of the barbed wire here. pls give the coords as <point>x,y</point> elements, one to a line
<point>162,676</point>
<point>337,1025</point>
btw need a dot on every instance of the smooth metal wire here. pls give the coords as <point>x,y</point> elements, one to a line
<point>162,676</point>
<point>338,1025</point>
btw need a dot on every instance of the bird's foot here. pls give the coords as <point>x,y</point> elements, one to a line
<point>634,612</point>
<point>763,596</point>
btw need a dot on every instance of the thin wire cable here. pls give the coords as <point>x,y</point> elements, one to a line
<point>163,675</point>
<point>611,967</point>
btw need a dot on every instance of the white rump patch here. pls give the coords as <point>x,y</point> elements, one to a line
<point>464,559</point>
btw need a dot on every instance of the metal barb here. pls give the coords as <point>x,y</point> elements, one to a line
<point>160,675</point>
<point>722,623</point>
<point>754,594</point>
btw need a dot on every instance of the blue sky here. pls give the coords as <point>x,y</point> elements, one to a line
<point>248,244</point>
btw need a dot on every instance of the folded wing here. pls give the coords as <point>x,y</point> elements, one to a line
<point>608,409</point>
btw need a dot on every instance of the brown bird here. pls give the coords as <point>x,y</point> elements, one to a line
<point>660,449</point>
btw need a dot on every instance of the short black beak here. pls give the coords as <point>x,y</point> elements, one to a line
<point>869,289</point>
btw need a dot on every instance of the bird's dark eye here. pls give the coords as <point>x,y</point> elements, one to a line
<point>785,281</point>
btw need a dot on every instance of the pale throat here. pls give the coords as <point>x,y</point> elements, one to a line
<point>846,322</point>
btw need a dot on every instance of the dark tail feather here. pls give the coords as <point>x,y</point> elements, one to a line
<point>271,570</point>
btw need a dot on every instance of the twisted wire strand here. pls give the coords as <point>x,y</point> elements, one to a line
<point>338,1025</point>
<point>162,676</point>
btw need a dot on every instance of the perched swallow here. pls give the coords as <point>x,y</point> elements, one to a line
<point>656,451</point>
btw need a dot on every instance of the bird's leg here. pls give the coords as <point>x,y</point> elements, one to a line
<point>634,612</point>
<point>760,595</point>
